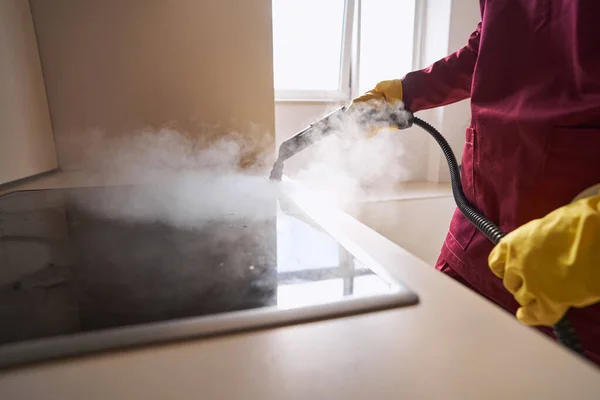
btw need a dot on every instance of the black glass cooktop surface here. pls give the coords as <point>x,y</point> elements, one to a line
<point>87,259</point>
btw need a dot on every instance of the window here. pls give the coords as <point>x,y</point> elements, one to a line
<point>308,48</point>
<point>335,49</point>
<point>386,41</point>
<point>301,247</point>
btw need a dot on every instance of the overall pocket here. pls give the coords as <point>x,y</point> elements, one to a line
<point>573,155</point>
<point>460,228</point>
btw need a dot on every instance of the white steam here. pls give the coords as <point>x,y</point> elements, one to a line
<point>363,154</point>
<point>186,179</point>
<point>183,178</point>
<point>185,200</point>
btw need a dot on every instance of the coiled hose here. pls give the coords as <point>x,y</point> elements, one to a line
<point>563,330</point>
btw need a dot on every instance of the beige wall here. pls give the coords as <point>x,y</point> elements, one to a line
<point>26,143</point>
<point>449,23</point>
<point>122,65</point>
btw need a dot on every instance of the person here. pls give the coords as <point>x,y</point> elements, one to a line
<point>532,73</point>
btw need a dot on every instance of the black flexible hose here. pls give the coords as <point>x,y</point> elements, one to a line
<point>563,330</point>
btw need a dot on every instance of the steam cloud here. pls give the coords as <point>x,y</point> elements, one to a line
<point>187,179</point>
<point>351,162</point>
<point>181,179</point>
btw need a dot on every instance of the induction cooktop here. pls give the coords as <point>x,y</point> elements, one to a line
<point>90,269</point>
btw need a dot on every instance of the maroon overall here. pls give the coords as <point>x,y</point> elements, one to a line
<point>532,71</point>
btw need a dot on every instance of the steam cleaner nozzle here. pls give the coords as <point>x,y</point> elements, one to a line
<point>303,139</point>
<point>388,116</point>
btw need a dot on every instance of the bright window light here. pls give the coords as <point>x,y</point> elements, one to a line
<point>386,40</point>
<point>301,247</point>
<point>369,284</point>
<point>307,44</point>
<point>290,296</point>
<point>313,42</point>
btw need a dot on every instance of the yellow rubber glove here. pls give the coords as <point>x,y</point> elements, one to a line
<point>553,263</point>
<point>389,91</point>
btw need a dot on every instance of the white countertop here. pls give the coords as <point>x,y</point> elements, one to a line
<point>453,344</point>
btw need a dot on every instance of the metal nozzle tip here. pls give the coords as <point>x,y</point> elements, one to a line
<point>277,171</point>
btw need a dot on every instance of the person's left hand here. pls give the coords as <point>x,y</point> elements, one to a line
<point>553,263</point>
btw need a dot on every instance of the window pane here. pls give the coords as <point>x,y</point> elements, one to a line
<point>369,285</point>
<point>386,43</point>
<point>301,247</point>
<point>289,296</point>
<point>307,44</point>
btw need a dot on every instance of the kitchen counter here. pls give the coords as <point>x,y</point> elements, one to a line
<point>453,344</point>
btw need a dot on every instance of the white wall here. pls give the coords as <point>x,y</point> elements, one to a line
<point>26,142</point>
<point>446,28</point>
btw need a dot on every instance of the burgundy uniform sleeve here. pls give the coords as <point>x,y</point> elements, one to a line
<point>445,81</point>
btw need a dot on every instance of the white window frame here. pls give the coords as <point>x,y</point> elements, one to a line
<point>350,58</point>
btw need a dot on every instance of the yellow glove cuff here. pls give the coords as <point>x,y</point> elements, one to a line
<point>391,90</point>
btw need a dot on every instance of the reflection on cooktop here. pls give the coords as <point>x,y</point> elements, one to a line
<point>85,259</point>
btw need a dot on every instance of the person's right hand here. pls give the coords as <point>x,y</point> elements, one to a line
<point>386,93</point>
<point>389,91</point>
